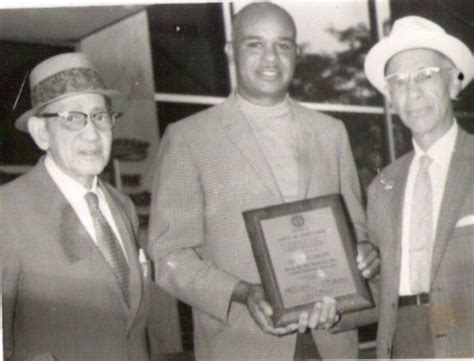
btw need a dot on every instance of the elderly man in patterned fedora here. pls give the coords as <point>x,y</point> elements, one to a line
<point>73,288</point>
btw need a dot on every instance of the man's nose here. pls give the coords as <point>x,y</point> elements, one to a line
<point>90,131</point>
<point>270,52</point>
<point>413,88</point>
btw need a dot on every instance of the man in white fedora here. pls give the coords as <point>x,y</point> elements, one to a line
<point>421,207</point>
<point>73,288</point>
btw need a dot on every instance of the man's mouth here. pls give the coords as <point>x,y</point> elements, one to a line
<point>90,152</point>
<point>270,74</point>
<point>418,112</point>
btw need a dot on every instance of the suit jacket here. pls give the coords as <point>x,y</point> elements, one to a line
<point>452,269</point>
<point>61,298</point>
<point>210,169</point>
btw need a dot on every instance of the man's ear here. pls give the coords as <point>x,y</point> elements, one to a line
<point>39,132</point>
<point>455,83</point>
<point>229,51</point>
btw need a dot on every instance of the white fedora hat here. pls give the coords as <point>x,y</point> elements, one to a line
<point>63,76</point>
<point>413,32</point>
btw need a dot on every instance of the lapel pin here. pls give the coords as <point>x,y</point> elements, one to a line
<point>387,185</point>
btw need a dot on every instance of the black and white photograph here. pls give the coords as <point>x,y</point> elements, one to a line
<point>236,180</point>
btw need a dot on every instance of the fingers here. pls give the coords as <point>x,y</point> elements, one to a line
<point>328,313</point>
<point>303,322</point>
<point>258,308</point>
<point>368,259</point>
<point>259,317</point>
<point>265,308</point>
<point>292,327</point>
<point>314,319</point>
<point>261,312</point>
<point>323,314</point>
<point>372,269</point>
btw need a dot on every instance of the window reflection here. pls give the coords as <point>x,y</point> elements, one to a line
<point>333,38</point>
<point>367,139</point>
<point>187,43</point>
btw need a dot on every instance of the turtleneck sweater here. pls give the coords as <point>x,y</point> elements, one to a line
<point>277,133</point>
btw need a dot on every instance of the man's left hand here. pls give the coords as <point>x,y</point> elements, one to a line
<point>368,259</point>
<point>323,316</point>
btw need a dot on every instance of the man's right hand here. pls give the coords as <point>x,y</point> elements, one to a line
<point>253,296</point>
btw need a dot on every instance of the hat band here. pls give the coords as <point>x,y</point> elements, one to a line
<point>68,81</point>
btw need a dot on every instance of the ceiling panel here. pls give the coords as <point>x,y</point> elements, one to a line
<point>58,25</point>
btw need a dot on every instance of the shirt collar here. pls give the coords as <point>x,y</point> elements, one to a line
<point>442,150</point>
<point>68,185</point>
<point>261,111</point>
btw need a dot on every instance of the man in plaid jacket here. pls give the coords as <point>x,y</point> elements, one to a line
<point>257,148</point>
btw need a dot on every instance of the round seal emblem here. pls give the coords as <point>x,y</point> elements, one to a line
<point>297,220</point>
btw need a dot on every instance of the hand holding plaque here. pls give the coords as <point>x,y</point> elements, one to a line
<point>323,314</point>
<point>304,251</point>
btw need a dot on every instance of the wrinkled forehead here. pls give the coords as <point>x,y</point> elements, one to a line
<point>415,59</point>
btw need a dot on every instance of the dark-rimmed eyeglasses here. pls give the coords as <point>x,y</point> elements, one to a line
<point>399,82</point>
<point>78,120</point>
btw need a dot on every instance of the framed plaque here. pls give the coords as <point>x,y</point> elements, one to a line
<point>304,251</point>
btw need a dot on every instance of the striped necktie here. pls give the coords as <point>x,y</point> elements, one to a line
<point>421,229</point>
<point>108,244</point>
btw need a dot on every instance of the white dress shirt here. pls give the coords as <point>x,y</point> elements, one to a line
<point>75,192</point>
<point>440,152</point>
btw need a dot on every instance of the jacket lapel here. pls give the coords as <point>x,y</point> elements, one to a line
<point>396,198</point>
<point>239,131</point>
<point>79,246</point>
<point>64,225</point>
<point>460,176</point>
<point>307,151</point>
<point>76,242</point>
<point>125,229</point>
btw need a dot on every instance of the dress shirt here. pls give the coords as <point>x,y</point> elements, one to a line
<point>277,133</point>
<point>75,192</point>
<point>440,152</point>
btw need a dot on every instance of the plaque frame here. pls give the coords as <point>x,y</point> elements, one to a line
<point>359,300</point>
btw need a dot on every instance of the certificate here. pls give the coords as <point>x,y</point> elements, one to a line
<point>304,251</point>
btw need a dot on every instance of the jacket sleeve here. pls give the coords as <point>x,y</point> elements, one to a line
<point>350,186</point>
<point>10,274</point>
<point>177,232</point>
<point>350,190</point>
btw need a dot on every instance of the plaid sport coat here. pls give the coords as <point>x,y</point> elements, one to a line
<point>210,169</point>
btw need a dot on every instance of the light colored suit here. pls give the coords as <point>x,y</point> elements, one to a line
<point>452,270</point>
<point>61,298</point>
<point>210,169</point>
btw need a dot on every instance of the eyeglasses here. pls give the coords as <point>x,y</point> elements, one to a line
<point>399,82</point>
<point>76,121</point>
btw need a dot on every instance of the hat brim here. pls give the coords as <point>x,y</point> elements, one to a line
<point>445,44</point>
<point>119,104</point>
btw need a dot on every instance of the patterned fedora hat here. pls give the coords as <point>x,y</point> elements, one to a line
<point>63,76</point>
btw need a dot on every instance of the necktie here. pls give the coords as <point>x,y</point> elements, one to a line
<point>421,229</point>
<point>109,244</point>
